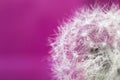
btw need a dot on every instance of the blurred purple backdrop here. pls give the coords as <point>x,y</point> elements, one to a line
<point>25,26</point>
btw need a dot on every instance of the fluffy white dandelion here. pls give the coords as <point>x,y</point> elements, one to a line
<point>87,47</point>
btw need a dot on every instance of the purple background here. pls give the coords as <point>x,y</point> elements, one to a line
<point>25,26</point>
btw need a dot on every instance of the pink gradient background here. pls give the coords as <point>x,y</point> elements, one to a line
<point>25,26</point>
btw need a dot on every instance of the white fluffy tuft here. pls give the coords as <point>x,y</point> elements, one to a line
<point>88,46</point>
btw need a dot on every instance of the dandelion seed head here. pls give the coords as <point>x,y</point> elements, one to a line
<point>88,46</point>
